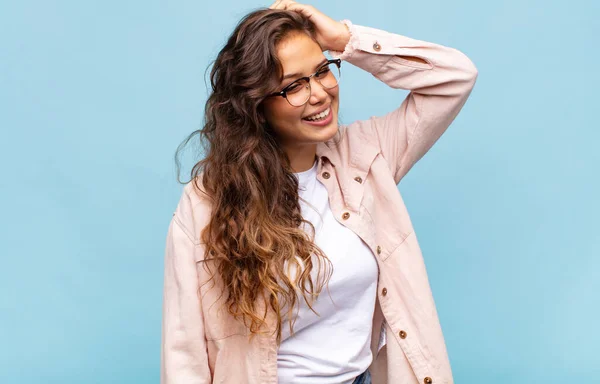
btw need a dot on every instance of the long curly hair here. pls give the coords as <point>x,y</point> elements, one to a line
<point>254,235</point>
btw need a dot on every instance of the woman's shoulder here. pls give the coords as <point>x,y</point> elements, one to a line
<point>194,208</point>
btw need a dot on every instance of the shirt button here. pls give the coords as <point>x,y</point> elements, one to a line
<point>345,216</point>
<point>358,179</point>
<point>379,250</point>
<point>402,335</point>
<point>427,380</point>
<point>384,291</point>
<point>326,175</point>
<point>376,47</point>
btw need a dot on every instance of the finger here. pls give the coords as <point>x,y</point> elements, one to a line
<point>283,4</point>
<point>301,8</point>
<point>276,5</point>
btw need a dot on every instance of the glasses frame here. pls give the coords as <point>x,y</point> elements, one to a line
<point>283,92</point>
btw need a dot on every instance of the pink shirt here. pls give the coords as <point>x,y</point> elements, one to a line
<point>202,343</point>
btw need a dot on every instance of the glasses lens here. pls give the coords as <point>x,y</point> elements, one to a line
<point>329,75</point>
<point>298,93</point>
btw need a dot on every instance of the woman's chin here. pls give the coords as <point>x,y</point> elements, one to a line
<point>322,133</point>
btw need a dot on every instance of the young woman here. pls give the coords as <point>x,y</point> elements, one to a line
<point>291,257</point>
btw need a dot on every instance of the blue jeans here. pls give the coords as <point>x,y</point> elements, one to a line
<point>364,378</point>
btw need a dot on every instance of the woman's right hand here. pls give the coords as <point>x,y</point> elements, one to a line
<point>330,34</point>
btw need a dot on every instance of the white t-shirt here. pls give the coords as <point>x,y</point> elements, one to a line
<point>334,346</point>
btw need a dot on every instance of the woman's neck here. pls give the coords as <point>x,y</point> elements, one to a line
<point>302,158</point>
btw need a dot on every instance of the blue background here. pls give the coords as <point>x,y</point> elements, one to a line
<point>96,95</point>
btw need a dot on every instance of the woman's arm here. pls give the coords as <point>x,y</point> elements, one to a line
<point>184,356</point>
<point>440,80</point>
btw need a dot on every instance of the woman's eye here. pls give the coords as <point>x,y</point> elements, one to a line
<point>323,72</point>
<point>294,88</point>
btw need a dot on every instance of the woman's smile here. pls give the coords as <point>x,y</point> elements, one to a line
<point>320,119</point>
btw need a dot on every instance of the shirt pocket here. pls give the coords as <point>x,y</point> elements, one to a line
<point>387,214</point>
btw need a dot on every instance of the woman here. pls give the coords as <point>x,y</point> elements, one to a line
<point>291,257</point>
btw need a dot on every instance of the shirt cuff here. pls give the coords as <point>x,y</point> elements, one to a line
<point>352,45</point>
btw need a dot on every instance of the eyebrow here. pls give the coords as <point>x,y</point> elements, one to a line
<point>299,75</point>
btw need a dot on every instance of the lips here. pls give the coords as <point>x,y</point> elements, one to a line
<point>317,112</point>
<point>319,116</point>
<point>323,121</point>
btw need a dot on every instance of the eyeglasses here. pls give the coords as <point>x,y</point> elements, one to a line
<point>298,92</point>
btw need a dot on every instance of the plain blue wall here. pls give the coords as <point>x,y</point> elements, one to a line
<point>96,95</point>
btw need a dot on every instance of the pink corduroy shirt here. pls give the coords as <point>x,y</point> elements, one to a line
<point>202,343</point>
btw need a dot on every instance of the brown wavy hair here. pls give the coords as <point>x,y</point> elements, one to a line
<point>254,234</point>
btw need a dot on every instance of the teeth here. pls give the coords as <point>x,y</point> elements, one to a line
<point>319,116</point>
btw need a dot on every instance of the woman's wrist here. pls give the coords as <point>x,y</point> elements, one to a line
<point>343,38</point>
<point>351,39</point>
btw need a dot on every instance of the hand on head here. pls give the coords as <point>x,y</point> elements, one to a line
<point>330,34</point>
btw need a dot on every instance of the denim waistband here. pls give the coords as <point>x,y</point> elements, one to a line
<point>363,378</point>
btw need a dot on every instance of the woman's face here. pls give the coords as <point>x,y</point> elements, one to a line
<point>301,56</point>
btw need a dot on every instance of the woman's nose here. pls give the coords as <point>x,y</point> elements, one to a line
<point>317,92</point>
